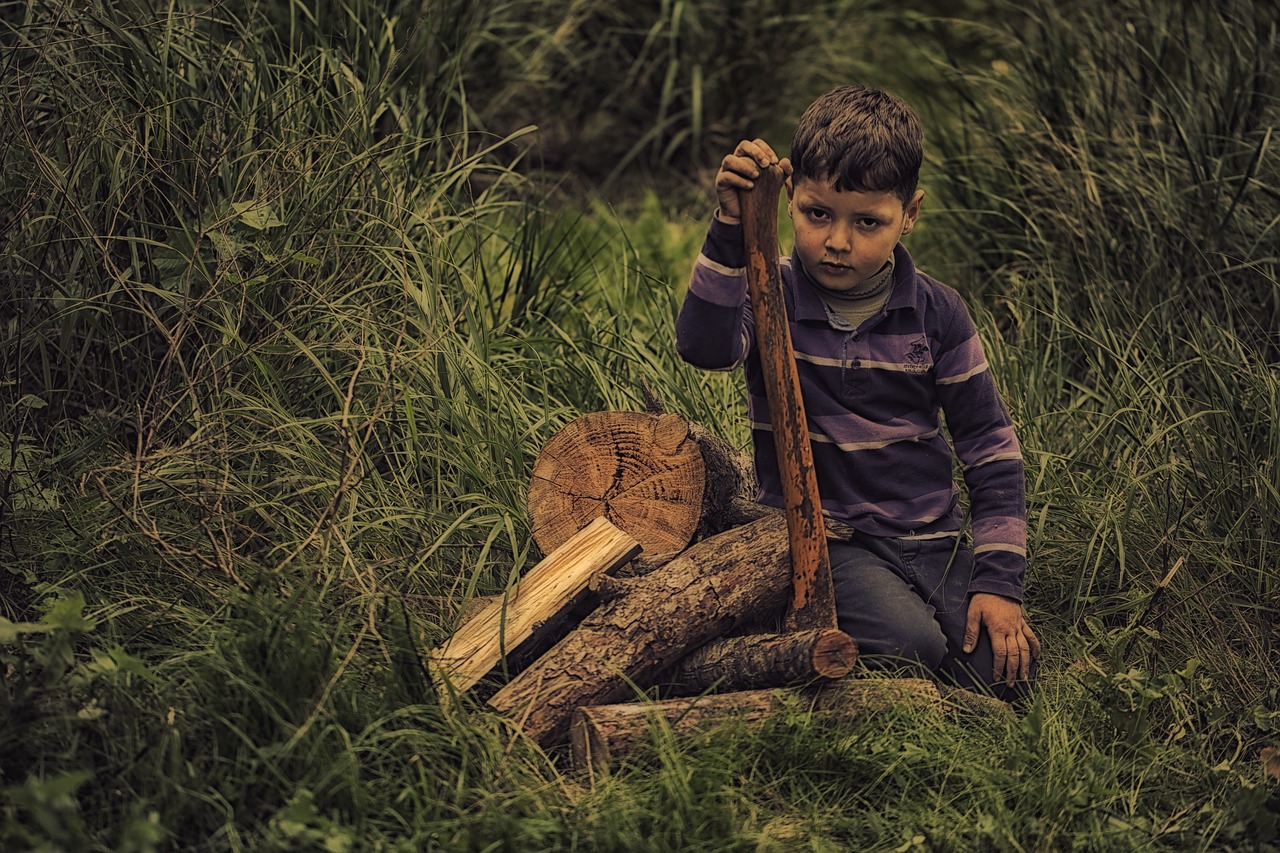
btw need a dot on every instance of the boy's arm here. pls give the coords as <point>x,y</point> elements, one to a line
<point>985,442</point>
<point>987,446</point>
<point>714,329</point>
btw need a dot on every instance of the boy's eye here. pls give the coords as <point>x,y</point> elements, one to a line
<point>868,222</point>
<point>816,213</point>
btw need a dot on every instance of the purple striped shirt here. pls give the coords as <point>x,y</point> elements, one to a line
<point>875,398</point>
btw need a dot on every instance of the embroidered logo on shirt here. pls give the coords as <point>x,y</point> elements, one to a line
<point>918,356</point>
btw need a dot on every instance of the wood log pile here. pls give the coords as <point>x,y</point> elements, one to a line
<point>661,578</point>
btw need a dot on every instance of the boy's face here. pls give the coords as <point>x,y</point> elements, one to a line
<point>843,238</point>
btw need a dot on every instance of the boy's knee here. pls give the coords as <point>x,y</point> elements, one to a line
<point>925,643</point>
<point>909,641</point>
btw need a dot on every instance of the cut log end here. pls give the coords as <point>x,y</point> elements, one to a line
<point>641,471</point>
<point>834,654</point>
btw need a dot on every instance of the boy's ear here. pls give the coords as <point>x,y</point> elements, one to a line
<point>912,212</point>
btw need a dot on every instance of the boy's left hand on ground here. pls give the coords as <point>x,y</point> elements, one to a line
<point>1014,643</point>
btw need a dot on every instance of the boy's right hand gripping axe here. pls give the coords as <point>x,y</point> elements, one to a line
<point>813,602</point>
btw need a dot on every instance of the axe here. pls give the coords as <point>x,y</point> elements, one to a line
<point>812,595</point>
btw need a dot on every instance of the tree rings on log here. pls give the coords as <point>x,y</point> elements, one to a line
<point>642,472</point>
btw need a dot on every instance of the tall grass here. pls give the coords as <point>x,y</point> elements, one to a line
<point>1113,179</point>
<point>282,336</point>
<point>1117,187</point>
<point>286,319</point>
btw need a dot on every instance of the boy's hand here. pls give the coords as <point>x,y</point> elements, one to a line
<point>1014,643</point>
<point>738,172</point>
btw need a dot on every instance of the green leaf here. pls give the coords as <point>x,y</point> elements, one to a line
<point>11,631</point>
<point>122,661</point>
<point>226,247</point>
<point>68,613</point>
<point>257,215</point>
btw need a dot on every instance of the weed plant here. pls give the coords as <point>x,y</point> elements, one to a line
<point>286,318</point>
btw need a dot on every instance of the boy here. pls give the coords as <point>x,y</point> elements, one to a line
<point>882,350</point>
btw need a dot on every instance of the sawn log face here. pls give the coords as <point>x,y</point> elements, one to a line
<point>700,595</point>
<point>642,472</point>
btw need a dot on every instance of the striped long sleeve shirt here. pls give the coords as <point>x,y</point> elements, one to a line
<point>876,399</point>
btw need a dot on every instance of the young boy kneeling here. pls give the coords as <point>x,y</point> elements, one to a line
<point>884,352</point>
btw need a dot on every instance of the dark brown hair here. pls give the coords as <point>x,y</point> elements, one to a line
<point>861,139</point>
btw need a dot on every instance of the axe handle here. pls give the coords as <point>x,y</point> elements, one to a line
<point>812,596</point>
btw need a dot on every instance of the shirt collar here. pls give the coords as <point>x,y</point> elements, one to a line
<point>810,306</point>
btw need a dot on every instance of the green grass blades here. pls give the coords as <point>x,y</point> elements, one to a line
<point>292,294</point>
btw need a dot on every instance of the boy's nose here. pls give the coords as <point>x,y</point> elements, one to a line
<point>839,240</point>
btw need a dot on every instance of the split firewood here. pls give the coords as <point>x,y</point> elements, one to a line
<point>717,583</point>
<point>763,660</point>
<point>536,604</point>
<point>600,735</point>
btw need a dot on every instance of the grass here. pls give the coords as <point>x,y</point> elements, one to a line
<point>293,297</point>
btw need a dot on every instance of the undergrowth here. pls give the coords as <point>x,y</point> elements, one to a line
<point>289,307</point>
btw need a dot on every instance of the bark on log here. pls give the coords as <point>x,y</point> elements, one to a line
<point>960,701</point>
<point>600,735</point>
<point>763,661</point>
<point>729,498</point>
<point>547,592</point>
<point>742,573</point>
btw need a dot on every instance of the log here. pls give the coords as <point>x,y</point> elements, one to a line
<point>600,735</point>
<point>729,497</point>
<point>535,603</point>
<point>813,603</point>
<point>644,472</point>
<point>640,471</point>
<point>742,573</point>
<point>764,660</point>
<point>961,702</point>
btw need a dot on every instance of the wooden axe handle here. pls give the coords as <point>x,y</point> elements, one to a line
<point>813,603</point>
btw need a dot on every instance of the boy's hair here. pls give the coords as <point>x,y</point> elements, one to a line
<point>861,139</point>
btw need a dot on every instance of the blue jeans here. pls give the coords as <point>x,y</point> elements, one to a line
<point>906,601</point>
